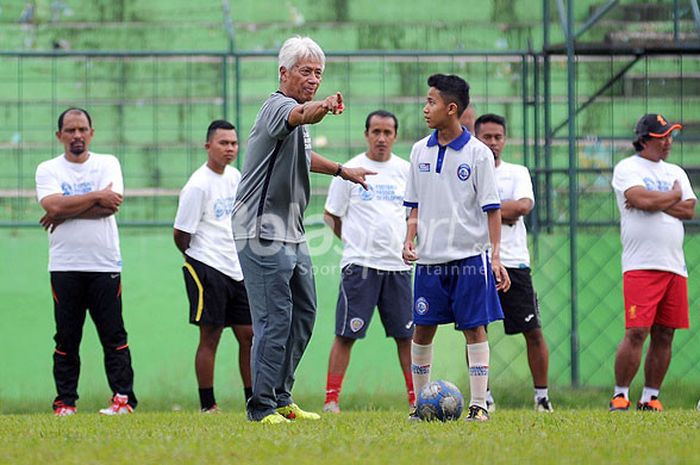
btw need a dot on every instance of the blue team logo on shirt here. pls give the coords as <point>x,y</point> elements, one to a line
<point>367,194</point>
<point>421,306</point>
<point>656,185</point>
<point>424,167</point>
<point>380,192</point>
<point>464,171</point>
<point>223,207</point>
<point>76,189</point>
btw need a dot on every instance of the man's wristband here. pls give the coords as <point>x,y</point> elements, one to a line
<point>339,170</point>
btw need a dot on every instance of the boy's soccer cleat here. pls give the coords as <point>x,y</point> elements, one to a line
<point>542,404</point>
<point>62,410</point>
<point>211,410</point>
<point>274,419</point>
<point>619,403</point>
<point>119,406</point>
<point>331,407</point>
<point>293,412</point>
<point>477,413</point>
<point>654,405</point>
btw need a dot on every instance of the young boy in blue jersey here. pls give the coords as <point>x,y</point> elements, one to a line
<point>455,215</point>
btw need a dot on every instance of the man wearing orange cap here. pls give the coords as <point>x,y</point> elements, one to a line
<point>654,197</point>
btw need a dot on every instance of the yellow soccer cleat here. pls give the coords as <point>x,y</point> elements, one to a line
<point>293,412</point>
<point>274,419</point>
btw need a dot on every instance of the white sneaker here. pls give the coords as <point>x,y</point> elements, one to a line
<point>119,406</point>
<point>331,407</point>
<point>697,407</point>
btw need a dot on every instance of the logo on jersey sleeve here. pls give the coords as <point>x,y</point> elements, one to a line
<point>421,307</point>
<point>464,171</point>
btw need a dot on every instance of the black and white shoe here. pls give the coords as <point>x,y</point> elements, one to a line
<point>542,404</point>
<point>477,413</point>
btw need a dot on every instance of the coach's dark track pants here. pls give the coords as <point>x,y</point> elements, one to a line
<point>75,293</point>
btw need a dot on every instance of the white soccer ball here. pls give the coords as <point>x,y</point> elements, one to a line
<point>439,400</point>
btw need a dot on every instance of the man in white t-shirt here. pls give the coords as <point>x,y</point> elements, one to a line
<point>213,276</point>
<point>81,191</point>
<point>520,308</point>
<point>654,197</point>
<point>372,224</point>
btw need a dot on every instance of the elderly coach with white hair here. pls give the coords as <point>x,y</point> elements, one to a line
<point>269,229</point>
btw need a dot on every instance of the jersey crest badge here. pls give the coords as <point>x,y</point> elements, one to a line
<point>463,172</point>
<point>421,306</point>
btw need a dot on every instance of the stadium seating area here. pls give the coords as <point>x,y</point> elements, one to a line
<point>260,25</point>
<point>151,109</point>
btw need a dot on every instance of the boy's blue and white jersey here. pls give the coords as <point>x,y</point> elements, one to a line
<point>452,186</point>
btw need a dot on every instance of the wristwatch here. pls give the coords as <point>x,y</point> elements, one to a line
<point>339,170</point>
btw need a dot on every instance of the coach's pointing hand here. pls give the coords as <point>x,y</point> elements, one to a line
<point>357,175</point>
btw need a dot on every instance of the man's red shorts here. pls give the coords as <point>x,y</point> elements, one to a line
<point>655,297</point>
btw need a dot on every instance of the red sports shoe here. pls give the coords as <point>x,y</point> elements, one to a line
<point>62,410</point>
<point>119,406</point>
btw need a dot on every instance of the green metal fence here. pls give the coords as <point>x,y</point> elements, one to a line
<point>152,109</point>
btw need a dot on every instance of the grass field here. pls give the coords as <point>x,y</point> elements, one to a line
<point>368,437</point>
<point>163,343</point>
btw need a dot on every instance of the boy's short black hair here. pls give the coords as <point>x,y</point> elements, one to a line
<point>453,89</point>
